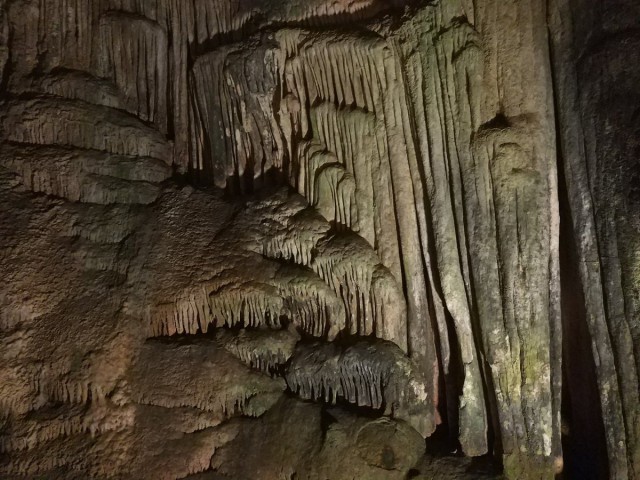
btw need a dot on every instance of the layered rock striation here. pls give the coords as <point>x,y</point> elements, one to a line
<point>424,212</point>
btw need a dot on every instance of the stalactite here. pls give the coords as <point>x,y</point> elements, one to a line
<point>312,305</point>
<point>264,350</point>
<point>245,305</point>
<point>66,26</point>
<point>350,270</point>
<point>376,375</point>
<point>239,177</point>
<point>134,57</point>
<point>234,114</point>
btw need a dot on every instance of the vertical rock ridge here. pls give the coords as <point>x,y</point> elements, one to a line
<point>207,201</point>
<point>595,96</point>
<point>128,40</point>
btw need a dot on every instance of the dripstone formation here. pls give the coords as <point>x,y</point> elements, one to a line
<point>293,239</point>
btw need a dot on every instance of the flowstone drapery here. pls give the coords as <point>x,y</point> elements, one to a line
<point>419,215</point>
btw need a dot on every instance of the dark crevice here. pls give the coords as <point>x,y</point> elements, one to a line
<point>583,438</point>
<point>454,381</point>
<point>499,122</point>
<point>494,438</point>
<point>583,435</point>
<point>326,420</point>
<point>344,405</point>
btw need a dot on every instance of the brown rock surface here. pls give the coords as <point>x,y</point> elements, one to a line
<point>418,216</point>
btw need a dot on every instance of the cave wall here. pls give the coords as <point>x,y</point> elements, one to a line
<point>208,203</point>
<point>595,63</point>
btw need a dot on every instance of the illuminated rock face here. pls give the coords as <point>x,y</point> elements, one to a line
<point>424,212</point>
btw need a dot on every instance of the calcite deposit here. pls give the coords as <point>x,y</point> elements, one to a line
<point>311,239</point>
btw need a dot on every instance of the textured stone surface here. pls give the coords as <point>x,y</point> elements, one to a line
<point>596,75</point>
<point>299,439</point>
<point>417,215</point>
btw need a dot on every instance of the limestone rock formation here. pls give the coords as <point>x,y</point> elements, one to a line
<point>296,238</point>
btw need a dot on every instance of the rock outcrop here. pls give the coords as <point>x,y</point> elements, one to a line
<point>335,228</point>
